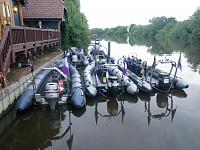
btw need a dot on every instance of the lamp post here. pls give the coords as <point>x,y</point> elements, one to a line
<point>15,9</point>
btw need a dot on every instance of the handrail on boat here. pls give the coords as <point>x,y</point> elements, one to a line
<point>55,68</point>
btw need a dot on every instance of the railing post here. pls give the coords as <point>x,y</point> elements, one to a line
<point>11,44</point>
<point>42,35</point>
<point>34,36</point>
<point>25,36</point>
<point>48,37</point>
<point>59,36</point>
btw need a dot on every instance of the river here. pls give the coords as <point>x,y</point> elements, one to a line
<point>167,122</point>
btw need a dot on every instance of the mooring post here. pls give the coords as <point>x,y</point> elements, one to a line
<point>108,59</point>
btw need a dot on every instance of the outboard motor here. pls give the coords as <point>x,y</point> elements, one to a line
<point>164,81</point>
<point>113,85</point>
<point>52,94</point>
<point>104,75</point>
<point>74,58</point>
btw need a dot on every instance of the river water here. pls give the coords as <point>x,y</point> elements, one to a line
<point>167,122</point>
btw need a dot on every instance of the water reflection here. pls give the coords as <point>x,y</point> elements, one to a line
<point>192,53</point>
<point>38,129</point>
<point>122,39</point>
<point>113,109</point>
<point>163,101</point>
<point>132,120</point>
<point>79,112</point>
<point>114,106</point>
<point>44,129</point>
<point>193,57</point>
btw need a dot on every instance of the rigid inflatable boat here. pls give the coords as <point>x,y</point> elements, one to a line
<point>25,101</point>
<point>166,81</point>
<point>130,86</point>
<point>89,80</point>
<point>76,57</point>
<point>134,73</point>
<point>77,95</point>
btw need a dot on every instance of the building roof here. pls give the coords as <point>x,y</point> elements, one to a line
<point>45,9</point>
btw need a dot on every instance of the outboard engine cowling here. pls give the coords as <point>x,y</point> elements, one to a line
<point>74,58</point>
<point>164,81</point>
<point>51,91</point>
<point>104,75</point>
<point>52,94</point>
<point>113,85</point>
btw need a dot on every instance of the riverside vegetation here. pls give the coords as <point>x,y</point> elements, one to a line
<point>75,30</point>
<point>162,34</point>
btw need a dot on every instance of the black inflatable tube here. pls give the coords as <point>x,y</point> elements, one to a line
<point>78,99</point>
<point>25,101</point>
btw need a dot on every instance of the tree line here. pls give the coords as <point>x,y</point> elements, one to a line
<point>165,31</point>
<point>74,30</point>
<point>112,34</point>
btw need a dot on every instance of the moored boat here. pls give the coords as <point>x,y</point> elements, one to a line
<point>149,77</point>
<point>130,86</point>
<point>51,86</point>
<point>25,100</point>
<point>134,70</point>
<point>90,84</point>
<point>166,81</point>
<point>78,99</point>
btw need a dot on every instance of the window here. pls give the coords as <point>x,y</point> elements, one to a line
<point>6,13</point>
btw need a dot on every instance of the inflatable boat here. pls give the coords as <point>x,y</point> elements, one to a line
<point>59,90</point>
<point>130,86</point>
<point>25,101</point>
<point>78,99</point>
<point>148,77</point>
<point>166,81</point>
<point>89,80</point>
<point>134,73</point>
<point>76,57</point>
<point>49,87</point>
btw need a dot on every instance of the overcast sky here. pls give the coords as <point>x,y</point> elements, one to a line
<point>111,13</point>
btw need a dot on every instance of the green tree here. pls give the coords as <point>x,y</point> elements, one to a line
<point>75,30</point>
<point>180,34</point>
<point>118,34</point>
<point>195,27</point>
